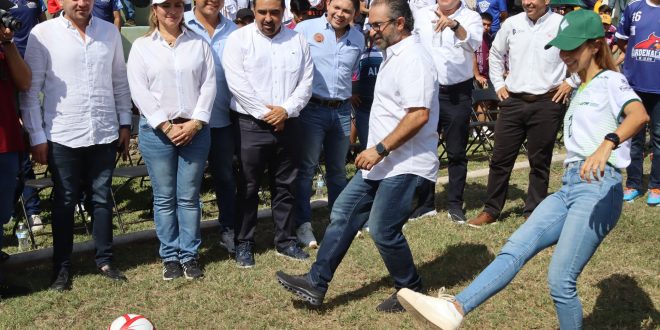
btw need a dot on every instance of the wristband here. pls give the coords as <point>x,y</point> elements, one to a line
<point>458,24</point>
<point>168,129</point>
<point>125,126</point>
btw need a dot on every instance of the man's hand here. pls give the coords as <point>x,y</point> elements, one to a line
<point>367,159</point>
<point>561,96</point>
<point>5,34</point>
<point>356,100</point>
<point>124,142</point>
<point>481,80</point>
<point>279,127</point>
<point>40,153</point>
<point>503,93</point>
<point>443,21</point>
<point>276,115</point>
<point>182,134</point>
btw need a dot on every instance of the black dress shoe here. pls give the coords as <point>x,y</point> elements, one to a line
<point>61,281</point>
<point>112,273</point>
<point>301,286</point>
<point>9,290</point>
<point>390,305</point>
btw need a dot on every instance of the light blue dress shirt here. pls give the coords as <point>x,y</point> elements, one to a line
<point>334,60</point>
<point>220,112</point>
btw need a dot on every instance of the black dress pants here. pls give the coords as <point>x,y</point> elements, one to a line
<point>259,148</point>
<point>537,121</point>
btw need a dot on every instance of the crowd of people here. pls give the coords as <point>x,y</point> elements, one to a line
<point>262,91</point>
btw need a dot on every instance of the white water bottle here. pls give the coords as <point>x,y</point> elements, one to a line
<point>319,186</point>
<point>22,237</point>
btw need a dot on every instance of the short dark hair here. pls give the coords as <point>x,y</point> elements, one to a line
<point>356,5</point>
<point>299,6</point>
<point>399,8</point>
<point>282,4</point>
<point>604,9</point>
<point>486,16</point>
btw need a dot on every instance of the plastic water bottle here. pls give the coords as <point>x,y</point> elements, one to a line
<point>319,186</point>
<point>22,237</point>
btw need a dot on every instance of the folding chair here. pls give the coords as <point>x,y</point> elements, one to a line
<point>482,139</point>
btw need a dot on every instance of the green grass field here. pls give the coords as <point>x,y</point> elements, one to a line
<point>620,287</point>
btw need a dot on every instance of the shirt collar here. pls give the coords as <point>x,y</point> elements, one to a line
<point>69,25</point>
<point>541,19</point>
<point>157,36</point>
<point>277,36</point>
<point>400,46</point>
<point>190,18</point>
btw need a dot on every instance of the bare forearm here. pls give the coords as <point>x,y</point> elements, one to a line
<point>636,117</point>
<point>408,127</point>
<point>20,72</point>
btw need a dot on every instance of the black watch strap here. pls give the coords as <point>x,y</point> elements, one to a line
<point>381,150</point>
<point>614,138</point>
<point>456,26</point>
<point>124,126</point>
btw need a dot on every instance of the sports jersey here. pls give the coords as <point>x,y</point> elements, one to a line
<point>494,8</point>
<point>104,9</point>
<point>366,74</point>
<point>639,25</point>
<point>28,12</point>
<point>596,110</point>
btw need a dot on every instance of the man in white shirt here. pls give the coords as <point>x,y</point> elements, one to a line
<point>451,33</point>
<point>269,70</point>
<point>531,106</point>
<point>78,63</point>
<point>402,151</point>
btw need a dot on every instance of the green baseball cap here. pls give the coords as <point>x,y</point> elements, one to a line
<point>576,28</point>
<point>573,3</point>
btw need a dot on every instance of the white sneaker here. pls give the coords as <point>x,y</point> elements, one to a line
<point>306,236</point>
<point>431,213</point>
<point>438,313</point>
<point>35,223</point>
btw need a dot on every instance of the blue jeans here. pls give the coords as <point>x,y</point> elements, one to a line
<point>130,9</point>
<point>636,169</point>
<point>576,218</point>
<point>9,162</point>
<point>221,156</point>
<point>386,204</point>
<point>176,178</point>
<point>328,129</point>
<point>69,167</point>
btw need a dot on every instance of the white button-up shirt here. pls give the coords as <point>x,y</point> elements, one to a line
<point>405,81</point>
<point>532,69</point>
<point>86,95</point>
<point>172,82</point>
<point>262,71</point>
<point>452,57</point>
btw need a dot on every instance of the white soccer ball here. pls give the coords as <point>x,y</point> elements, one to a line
<point>131,322</point>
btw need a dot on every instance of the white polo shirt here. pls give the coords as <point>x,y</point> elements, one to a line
<point>452,57</point>
<point>532,69</point>
<point>406,64</point>
<point>595,111</point>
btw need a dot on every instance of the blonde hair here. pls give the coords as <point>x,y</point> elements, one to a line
<point>153,22</point>
<point>603,57</point>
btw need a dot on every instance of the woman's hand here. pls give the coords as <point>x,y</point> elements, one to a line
<point>594,165</point>
<point>182,134</point>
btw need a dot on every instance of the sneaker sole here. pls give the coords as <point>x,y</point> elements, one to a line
<point>425,215</point>
<point>300,293</point>
<point>193,278</point>
<point>290,257</point>
<point>458,222</point>
<point>244,266</point>
<point>170,278</point>
<point>427,319</point>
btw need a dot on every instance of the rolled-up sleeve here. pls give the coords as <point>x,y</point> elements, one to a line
<point>37,58</point>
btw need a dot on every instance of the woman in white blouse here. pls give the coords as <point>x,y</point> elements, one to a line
<point>172,80</point>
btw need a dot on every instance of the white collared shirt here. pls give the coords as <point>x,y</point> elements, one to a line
<point>172,82</point>
<point>262,71</point>
<point>406,64</point>
<point>452,57</point>
<point>532,69</point>
<point>86,95</point>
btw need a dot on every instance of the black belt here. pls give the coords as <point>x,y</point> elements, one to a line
<point>527,97</point>
<point>464,85</point>
<point>327,103</point>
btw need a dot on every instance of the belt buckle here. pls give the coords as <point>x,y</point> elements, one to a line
<point>334,103</point>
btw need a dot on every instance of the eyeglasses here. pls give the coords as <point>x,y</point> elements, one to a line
<point>378,26</point>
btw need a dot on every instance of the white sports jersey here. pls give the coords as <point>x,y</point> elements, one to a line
<point>596,110</point>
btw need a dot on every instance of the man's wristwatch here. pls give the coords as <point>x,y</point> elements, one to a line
<point>381,150</point>
<point>455,26</point>
<point>198,124</point>
<point>612,137</point>
<point>125,126</point>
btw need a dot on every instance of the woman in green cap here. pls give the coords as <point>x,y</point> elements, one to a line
<point>603,113</point>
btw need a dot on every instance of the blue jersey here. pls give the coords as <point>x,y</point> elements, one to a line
<point>494,8</point>
<point>639,25</point>
<point>28,12</point>
<point>104,9</point>
<point>365,76</point>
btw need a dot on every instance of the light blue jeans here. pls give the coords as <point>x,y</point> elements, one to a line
<point>576,218</point>
<point>176,178</point>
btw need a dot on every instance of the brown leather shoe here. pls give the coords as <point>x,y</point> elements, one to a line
<point>484,218</point>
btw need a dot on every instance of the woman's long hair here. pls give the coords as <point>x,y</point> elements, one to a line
<point>153,21</point>
<point>604,57</point>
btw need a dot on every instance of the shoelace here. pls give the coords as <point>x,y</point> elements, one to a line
<point>445,296</point>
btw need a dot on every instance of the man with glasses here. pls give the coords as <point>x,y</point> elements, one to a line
<point>401,152</point>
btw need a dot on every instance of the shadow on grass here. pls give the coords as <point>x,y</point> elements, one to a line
<point>459,263</point>
<point>622,304</point>
<point>475,195</point>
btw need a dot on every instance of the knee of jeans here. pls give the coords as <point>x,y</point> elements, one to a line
<point>561,283</point>
<point>382,235</point>
<point>513,252</point>
<point>164,202</point>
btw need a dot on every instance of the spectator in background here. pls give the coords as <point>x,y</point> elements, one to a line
<point>451,33</point>
<point>54,7</point>
<point>109,11</point>
<point>325,122</point>
<point>257,58</point>
<point>15,75</point>
<point>130,12</point>
<point>531,102</point>
<point>497,10</point>
<point>30,13</point>
<point>174,136</point>
<point>610,32</point>
<point>639,35</point>
<point>300,11</point>
<point>244,17</point>
<point>231,7</point>
<point>85,118</point>
<point>484,96</point>
<point>364,82</point>
<point>205,20</point>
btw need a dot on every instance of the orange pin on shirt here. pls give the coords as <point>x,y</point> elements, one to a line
<point>318,37</point>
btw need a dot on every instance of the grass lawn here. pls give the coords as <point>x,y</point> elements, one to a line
<point>620,287</point>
